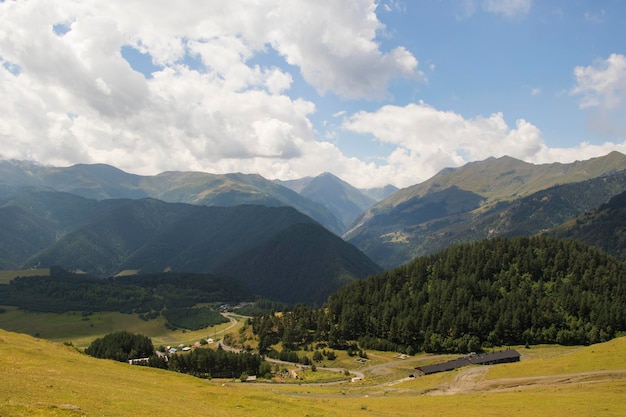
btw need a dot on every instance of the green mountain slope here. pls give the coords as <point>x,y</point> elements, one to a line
<point>471,203</point>
<point>33,218</point>
<point>527,216</point>
<point>315,260</point>
<point>603,228</point>
<point>497,179</point>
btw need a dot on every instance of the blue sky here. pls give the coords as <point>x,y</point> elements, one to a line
<point>374,92</point>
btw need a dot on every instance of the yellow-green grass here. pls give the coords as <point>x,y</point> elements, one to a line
<point>48,379</point>
<point>559,360</point>
<point>81,330</point>
<point>7,276</point>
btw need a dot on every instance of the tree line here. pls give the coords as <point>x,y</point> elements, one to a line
<point>495,292</point>
<point>172,294</point>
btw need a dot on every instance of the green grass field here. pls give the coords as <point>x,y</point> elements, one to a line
<point>81,330</point>
<point>50,379</point>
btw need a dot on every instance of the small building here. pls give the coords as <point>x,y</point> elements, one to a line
<point>491,358</point>
<point>139,361</point>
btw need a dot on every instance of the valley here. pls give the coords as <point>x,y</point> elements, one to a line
<point>476,259</point>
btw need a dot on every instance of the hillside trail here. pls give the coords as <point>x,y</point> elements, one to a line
<point>465,382</point>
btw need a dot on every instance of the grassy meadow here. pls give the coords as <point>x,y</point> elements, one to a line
<point>80,330</point>
<point>52,379</point>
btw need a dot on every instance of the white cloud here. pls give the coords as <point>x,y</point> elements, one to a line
<point>508,8</point>
<point>596,18</point>
<point>72,97</point>
<point>427,140</point>
<point>210,105</point>
<point>602,84</point>
<point>432,139</point>
<point>602,91</point>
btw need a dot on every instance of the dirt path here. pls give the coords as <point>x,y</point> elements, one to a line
<point>473,380</point>
<point>466,381</point>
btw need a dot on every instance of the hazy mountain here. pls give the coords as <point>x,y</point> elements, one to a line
<point>340,198</point>
<point>101,182</point>
<point>467,203</point>
<point>380,193</point>
<point>44,228</point>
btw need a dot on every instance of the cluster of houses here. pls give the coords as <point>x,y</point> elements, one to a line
<point>491,358</point>
<point>169,350</point>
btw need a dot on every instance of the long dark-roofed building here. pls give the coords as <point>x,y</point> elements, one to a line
<point>491,358</point>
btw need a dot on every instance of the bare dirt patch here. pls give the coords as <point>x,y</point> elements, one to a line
<point>473,380</point>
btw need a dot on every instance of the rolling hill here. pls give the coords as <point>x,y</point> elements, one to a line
<point>315,259</point>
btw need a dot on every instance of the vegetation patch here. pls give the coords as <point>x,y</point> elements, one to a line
<point>64,291</point>
<point>193,318</point>
<point>497,292</point>
<point>121,346</point>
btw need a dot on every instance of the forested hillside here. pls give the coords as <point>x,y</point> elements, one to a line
<point>148,295</point>
<point>303,263</point>
<point>495,292</point>
<point>604,227</point>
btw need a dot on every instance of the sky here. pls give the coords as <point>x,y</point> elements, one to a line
<point>386,92</point>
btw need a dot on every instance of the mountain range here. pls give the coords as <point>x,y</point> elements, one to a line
<point>341,198</point>
<point>41,227</point>
<point>495,197</point>
<point>281,238</point>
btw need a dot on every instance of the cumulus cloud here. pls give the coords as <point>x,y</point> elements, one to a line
<point>602,91</point>
<point>428,139</point>
<point>209,104</point>
<point>206,106</point>
<point>602,84</point>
